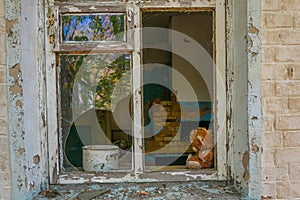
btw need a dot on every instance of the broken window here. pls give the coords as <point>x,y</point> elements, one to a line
<point>139,88</point>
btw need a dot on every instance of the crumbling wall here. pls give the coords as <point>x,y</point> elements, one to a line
<point>281,98</point>
<point>5,172</point>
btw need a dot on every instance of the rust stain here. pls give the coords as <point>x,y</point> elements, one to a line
<point>9,25</point>
<point>21,151</point>
<point>245,165</point>
<point>36,159</point>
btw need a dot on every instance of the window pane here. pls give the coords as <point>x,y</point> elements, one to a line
<point>178,90</point>
<point>95,99</point>
<point>95,27</point>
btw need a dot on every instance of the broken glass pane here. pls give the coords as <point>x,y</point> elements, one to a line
<point>95,88</point>
<point>94,27</point>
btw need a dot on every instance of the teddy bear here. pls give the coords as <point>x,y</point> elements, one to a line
<point>202,143</point>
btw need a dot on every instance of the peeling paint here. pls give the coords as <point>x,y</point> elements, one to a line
<point>52,39</point>
<point>19,103</point>
<point>254,30</point>
<point>15,72</point>
<point>255,148</point>
<point>9,26</point>
<point>245,165</point>
<point>36,159</point>
<point>21,151</point>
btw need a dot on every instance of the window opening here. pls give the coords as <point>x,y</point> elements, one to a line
<point>171,110</point>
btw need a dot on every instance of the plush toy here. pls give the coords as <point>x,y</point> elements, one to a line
<point>202,143</point>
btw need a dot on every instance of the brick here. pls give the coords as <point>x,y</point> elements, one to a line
<point>291,5</point>
<point>2,8</point>
<point>2,43</point>
<point>289,36</point>
<point>279,20</point>
<point>3,100</point>
<point>291,139</point>
<point>294,171</point>
<point>274,72</point>
<point>2,57</point>
<point>272,139</point>
<point>287,155</point>
<point>270,37</point>
<point>287,122</point>
<point>5,178</point>
<point>288,53</point>
<point>275,104</point>
<point>268,54</point>
<point>2,25</point>
<point>268,156</point>
<point>2,75</point>
<point>282,173</point>
<point>270,5</point>
<point>294,189</point>
<point>288,88</point>
<point>5,192</point>
<point>297,20</point>
<point>268,122</point>
<point>293,71</point>
<point>268,88</point>
<point>294,104</point>
<point>283,190</point>
<point>269,190</point>
<point>268,172</point>
<point>263,19</point>
<point>4,142</point>
<point>3,125</point>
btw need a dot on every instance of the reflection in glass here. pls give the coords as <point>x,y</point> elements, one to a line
<point>95,92</point>
<point>96,27</point>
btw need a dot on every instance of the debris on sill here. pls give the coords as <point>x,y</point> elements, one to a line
<point>156,191</point>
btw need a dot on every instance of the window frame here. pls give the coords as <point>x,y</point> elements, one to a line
<point>133,45</point>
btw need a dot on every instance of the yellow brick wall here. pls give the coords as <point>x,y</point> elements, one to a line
<point>281,98</point>
<point>5,173</point>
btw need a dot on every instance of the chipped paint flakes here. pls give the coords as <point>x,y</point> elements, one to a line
<point>72,9</point>
<point>21,151</point>
<point>245,165</point>
<point>36,159</point>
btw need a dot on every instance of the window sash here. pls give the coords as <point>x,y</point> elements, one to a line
<point>131,45</point>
